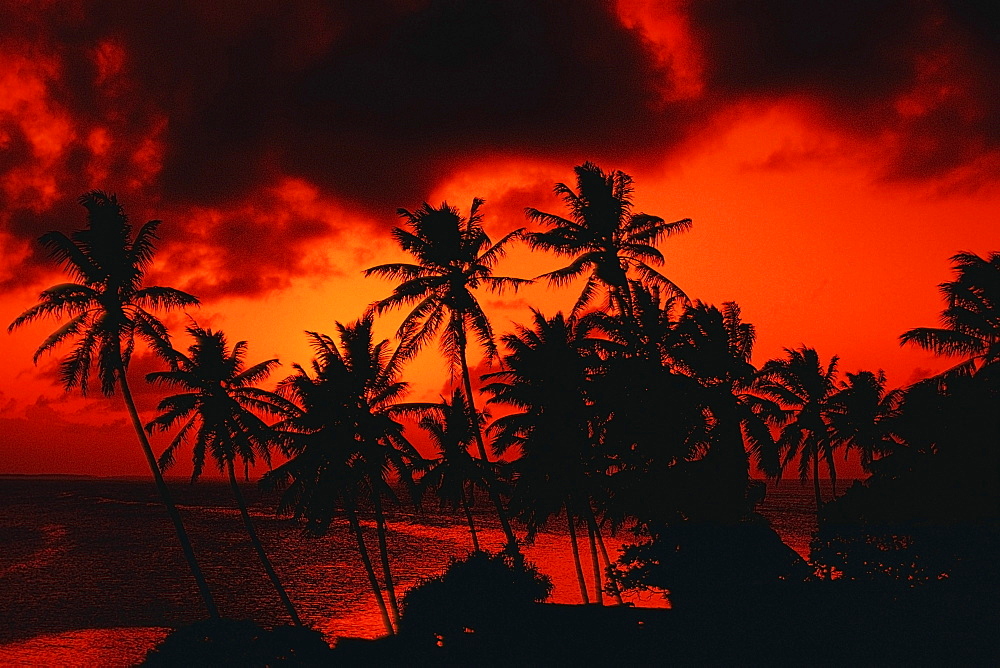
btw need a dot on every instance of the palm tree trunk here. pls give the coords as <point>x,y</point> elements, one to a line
<point>255,540</point>
<point>352,518</point>
<point>576,555</point>
<point>598,593</point>
<point>819,498</point>
<point>164,491</point>
<point>383,551</point>
<point>607,564</point>
<point>833,474</point>
<point>472,525</point>
<point>480,444</point>
<point>604,552</point>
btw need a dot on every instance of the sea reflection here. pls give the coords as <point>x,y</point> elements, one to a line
<point>87,648</point>
<point>92,575</point>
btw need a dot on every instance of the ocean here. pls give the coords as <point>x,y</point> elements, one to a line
<point>91,573</point>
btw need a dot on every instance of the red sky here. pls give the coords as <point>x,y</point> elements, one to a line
<point>832,160</point>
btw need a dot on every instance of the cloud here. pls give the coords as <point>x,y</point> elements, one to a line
<point>206,111</point>
<point>916,77</point>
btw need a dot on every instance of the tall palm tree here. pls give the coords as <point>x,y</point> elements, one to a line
<point>455,474</point>
<point>608,239</point>
<point>346,442</point>
<point>108,308</point>
<point>971,318</point>
<point>454,256</point>
<point>218,412</point>
<point>545,380</point>
<point>804,387</point>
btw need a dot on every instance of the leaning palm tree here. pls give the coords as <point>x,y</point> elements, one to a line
<point>804,387</point>
<point>108,308</point>
<point>454,256</point>
<point>608,239</point>
<point>346,442</point>
<point>972,317</point>
<point>218,412</point>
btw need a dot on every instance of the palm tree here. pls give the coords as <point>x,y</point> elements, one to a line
<point>455,475</point>
<point>346,441</point>
<point>545,380</point>
<point>714,346</point>
<point>108,308</point>
<point>218,412</point>
<point>607,238</point>
<point>454,257</point>
<point>864,415</point>
<point>804,387</point>
<point>972,317</point>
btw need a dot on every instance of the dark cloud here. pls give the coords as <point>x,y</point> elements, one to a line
<point>852,50</point>
<point>920,72</point>
<point>373,104</point>
<point>208,104</point>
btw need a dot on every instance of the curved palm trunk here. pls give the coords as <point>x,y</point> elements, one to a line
<point>352,518</point>
<point>598,593</point>
<point>576,555</point>
<point>468,517</point>
<point>596,530</point>
<point>607,564</point>
<point>383,552</point>
<point>164,491</point>
<point>481,445</point>
<point>255,540</point>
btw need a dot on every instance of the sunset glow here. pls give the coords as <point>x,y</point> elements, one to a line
<point>829,175</point>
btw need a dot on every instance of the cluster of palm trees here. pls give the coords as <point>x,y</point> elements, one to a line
<point>640,406</point>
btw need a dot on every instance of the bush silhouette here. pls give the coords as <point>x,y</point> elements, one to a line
<point>232,642</point>
<point>481,593</point>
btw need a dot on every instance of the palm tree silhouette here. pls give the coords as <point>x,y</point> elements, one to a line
<point>108,308</point>
<point>218,412</point>
<point>864,415</point>
<point>346,441</point>
<point>546,376</point>
<point>455,475</point>
<point>608,239</point>
<point>714,346</point>
<point>972,317</point>
<point>454,257</point>
<point>804,387</point>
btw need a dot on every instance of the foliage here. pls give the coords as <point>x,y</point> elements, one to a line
<point>220,405</point>
<point>705,564</point>
<point>454,256</point>
<point>608,238</point>
<point>971,318</point>
<point>342,433</point>
<point>231,642</point>
<point>107,305</point>
<point>479,592</point>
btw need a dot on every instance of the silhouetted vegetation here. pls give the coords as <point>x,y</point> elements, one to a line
<point>108,309</point>
<point>646,415</point>
<point>219,413</point>
<point>481,593</point>
<point>231,642</point>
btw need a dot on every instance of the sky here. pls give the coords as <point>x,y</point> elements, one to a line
<point>832,156</point>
